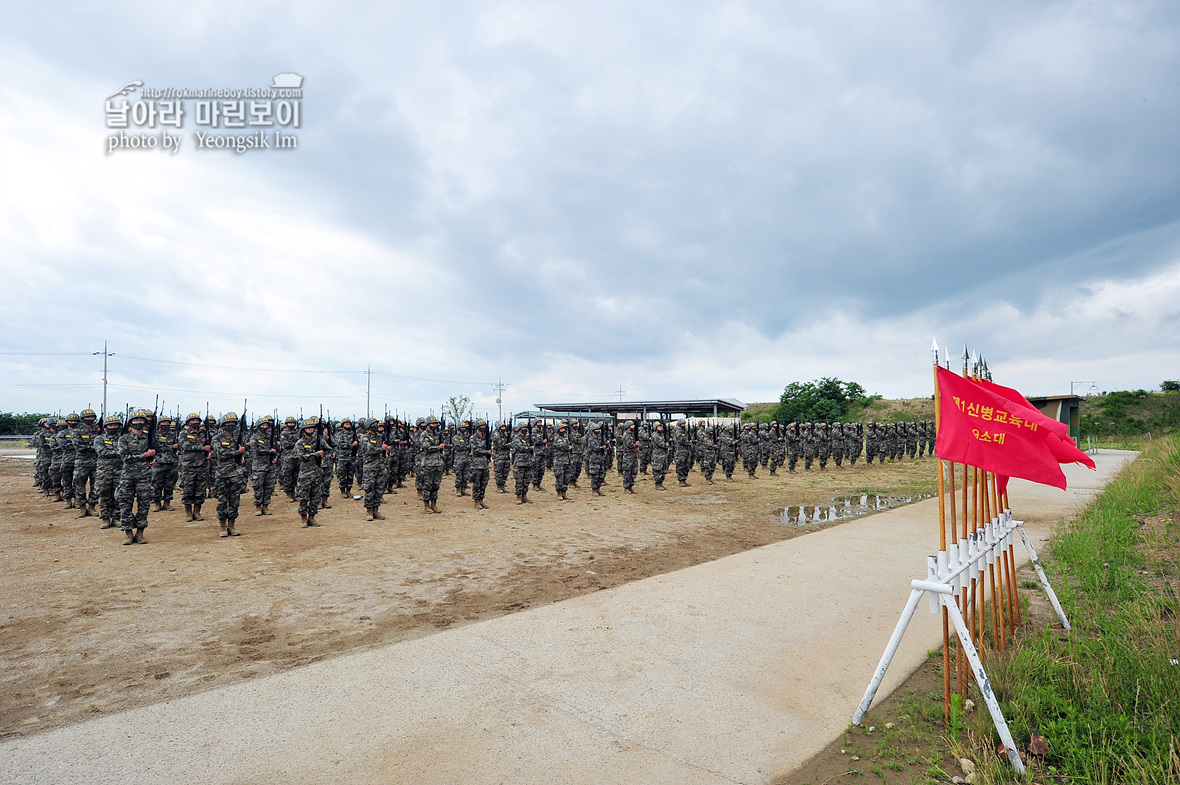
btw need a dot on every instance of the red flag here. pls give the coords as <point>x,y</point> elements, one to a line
<point>978,427</point>
<point>1067,450</point>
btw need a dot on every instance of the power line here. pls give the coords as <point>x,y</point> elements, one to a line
<point>230,367</point>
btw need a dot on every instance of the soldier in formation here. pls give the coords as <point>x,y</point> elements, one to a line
<point>430,446</point>
<point>135,479</point>
<point>373,449</point>
<point>479,453</point>
<point>563,448</point>
<point>108,470</point>
<point>522,462</point>
<point>229,480</point>
<point>165,471</point>
<point>264,453</point>
<point>86,438</point>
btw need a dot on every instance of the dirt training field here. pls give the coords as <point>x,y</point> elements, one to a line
<point>90,626</point>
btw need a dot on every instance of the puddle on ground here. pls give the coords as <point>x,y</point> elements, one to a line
<point>842,508</point>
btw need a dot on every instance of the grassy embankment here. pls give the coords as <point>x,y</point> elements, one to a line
<point>1106,696</point>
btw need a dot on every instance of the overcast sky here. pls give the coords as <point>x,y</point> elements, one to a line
<point>676,199</point>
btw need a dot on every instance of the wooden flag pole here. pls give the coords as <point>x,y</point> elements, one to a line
<point>946,629</point>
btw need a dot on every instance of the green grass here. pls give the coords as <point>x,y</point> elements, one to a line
<point>1107,698</point>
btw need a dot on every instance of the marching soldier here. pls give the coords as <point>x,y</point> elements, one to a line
<point>86,438</point>
<point>430,443</point>
<point>727,443</point>
<point>597,447</point>
<point>194,455</point>
<point>540,442</point>
<point>562,447</point>
<point>135,480</point>
<point>68,457</point>
<point>373,449</point>
<point>522,462</point>
<point>288,460</point>
<point>229,471</point>
<point>707,448</point>
<point>628,455</point>
<point>309,453</point>
<point>683,453</point>
<point>479,453</point>
<point>164,473</point>
<point>659,456</point>
<point>502,456</point>
<point>263,471</point>
<point>749,447</point>
<point>461,458</point>
<point>108,470</point>
<point>346,444</point>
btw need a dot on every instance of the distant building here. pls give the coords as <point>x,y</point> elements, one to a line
<point>1062,408</point>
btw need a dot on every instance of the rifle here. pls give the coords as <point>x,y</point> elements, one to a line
<point>319,434</point>
<point>273,427</point>
<point>241,433</point>
<point>151,428</point>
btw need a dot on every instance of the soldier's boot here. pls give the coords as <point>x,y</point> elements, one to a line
<point>70,504</point>
<point>500,487</point>
<point>463,491</point>
<point>524,497</point>
<point>482,505</point>
<point>475,503</point>
<point>168,506</point>
<point>659,486</point>
<point>708,480</point>
<point>434,505</point>
<point>324,504</point>
<point>772,473</point>
<point>129,537</point>
<point>85,512</point>
<point>683,484</point>
<point>302,521</point>
<point>257,510</point>
<point>266,509</point>
<point>229,527</point>
<point>197,511</point>
<point>188,510</point>
<point>157,505</point>
<point>57,497</point>
<point>426,506</point>
<point>574,484</point>
<point>377,514</point>
<point>520,498</point>
<point>139,537</point>
<point>368,513</point>
<point>107,523</point>
<point>224,528</point>
<point>311,521</point>
<point>290,496</point>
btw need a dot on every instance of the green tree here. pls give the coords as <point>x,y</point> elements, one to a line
<point>822,400</point>
<point>457,408</point>
<point>1170,385</point>
<point>12,424</point>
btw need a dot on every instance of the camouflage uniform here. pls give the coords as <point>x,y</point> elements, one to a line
<point>106,474</point>
<point>522,462</point>
<point>229,482</point>
<point>193,457</point>
<point>430,444</point>
<point>644,447</point>
<point>728,445</point>
<point>562,447</point>
<point>502,456</point>
<point>208,467</point>
<point>628,456</point>
<point>461,460</point>
<point>792,446</point>
<point>86,438</point>
<point>683,454</point>
<point>764,445</point>
<point>41,442</point>
<point>539,438</point>
<point>597,450</point>
<point>854,439</point>
<point>164,473</point>
<point>836,436</point>
<point>309,453</point>
<point>823,445</point>
<point>577,452</point>
<point>288,460</point>
<point>68,456</point>
<point>749,447</point>
<point>707,450</point>
<point>346,445</point>
<point>327,465</point>
<point>264,450</point>
<point>57,449</point>
<point>135,482</point>
<point>911,439</point>
<point>372,453</point>
<point>478,454</point>
<point>659,456</point>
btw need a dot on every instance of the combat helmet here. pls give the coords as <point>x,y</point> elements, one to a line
<point>229,418</point>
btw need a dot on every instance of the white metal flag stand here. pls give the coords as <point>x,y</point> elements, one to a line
<point>947,575</point>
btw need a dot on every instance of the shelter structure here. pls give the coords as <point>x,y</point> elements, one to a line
<point>1062,408</point>
<point>643,410</point>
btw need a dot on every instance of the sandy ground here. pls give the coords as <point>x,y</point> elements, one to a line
<point>92,627</point>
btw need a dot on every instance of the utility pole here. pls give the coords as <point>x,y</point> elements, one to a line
<point>499,388</point>
<point>105,354</point>
<point>621,391</point>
